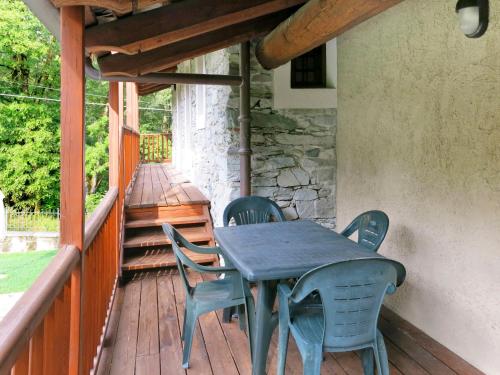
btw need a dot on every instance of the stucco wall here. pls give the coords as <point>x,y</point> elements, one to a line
<point>419,137</point>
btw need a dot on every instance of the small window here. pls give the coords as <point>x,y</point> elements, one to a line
<point>309,70</point>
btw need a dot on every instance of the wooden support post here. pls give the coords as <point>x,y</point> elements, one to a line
<point>132,106</point>
<point>114,132</point>
<point>245,151</point>
<point>73,159</point>
<point>121,178</point>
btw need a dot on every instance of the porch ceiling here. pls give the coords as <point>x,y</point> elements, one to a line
<point>137,37</point>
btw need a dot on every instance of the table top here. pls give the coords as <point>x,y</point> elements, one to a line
<point>282,250</point>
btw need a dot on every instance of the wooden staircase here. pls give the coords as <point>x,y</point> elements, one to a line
<point>169,198</point>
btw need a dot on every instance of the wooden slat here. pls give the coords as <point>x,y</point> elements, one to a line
<point>124,353</point>
<point>142,90</point>
<point>199,363</point>
<point>451,359</point>
<point>425,359</point>
<point>135,196</point>
<point>175,22</point>
<point>147,191</point>
<point>169,330</point>
<point>174,221</point>
<point>155,237</point>
<point>314,24</point>
<point>173,54</point>
<point>148,358</point>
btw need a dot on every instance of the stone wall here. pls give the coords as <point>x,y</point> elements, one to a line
<point>293,159</point>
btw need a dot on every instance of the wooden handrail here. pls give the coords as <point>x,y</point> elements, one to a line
<point>98,217</point>
<point>19,324</point>
<point>129,129</point>
<point>155,147</point>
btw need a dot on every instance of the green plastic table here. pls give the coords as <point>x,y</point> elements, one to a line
<point>267,253</point>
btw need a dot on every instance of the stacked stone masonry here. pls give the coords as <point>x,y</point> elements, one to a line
<point>294,157</point>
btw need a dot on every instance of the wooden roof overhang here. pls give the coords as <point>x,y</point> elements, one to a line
<point>133,38</point>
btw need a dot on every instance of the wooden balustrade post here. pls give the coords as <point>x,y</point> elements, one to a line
<point>114,159</point>
<point>72,161</point>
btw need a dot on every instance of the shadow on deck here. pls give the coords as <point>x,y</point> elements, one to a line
<point>144,338</point>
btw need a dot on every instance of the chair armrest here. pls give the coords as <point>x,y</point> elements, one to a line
<point>212,269</point>
<point>202,249</point>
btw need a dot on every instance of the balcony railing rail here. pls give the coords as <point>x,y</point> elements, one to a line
<point>156,148</point>
<point>35,334</point>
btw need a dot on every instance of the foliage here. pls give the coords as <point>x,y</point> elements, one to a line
<point>19,270</point>
<point>29,120</point>
<point>156,121</point>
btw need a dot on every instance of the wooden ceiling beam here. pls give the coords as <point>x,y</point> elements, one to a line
<point>173,54</point>
<point>178,21</point>
<point>151,89</point>
<point>118,6</point>
<point>313,24</point>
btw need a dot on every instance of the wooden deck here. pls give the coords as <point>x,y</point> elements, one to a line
<point>158,185</point>
<point>161,194</point>
<point>144,338</point>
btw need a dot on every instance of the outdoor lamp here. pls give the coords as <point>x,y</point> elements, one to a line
<point>473,17</point>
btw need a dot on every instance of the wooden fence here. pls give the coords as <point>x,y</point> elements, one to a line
<point>35,335</point>
<point>156,148</point>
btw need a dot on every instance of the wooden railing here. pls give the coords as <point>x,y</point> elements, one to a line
<point>35,334</point>
<point>156,148</point>
<point>131,153</point>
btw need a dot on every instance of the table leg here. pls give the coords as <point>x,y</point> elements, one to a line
<point>265,323</point>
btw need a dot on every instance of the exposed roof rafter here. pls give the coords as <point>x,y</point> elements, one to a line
<point>175,22</point>
<point>173,54</point>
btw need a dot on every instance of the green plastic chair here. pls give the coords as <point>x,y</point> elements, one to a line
<point>372,227</point>
<point>252,210</point>
<point>351,294</point>
<point>208,296</point>
<point>249,210</point>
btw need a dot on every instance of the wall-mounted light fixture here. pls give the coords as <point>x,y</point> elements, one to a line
<point>473,17</point>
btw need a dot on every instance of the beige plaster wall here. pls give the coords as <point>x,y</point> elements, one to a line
<point>419,137</point>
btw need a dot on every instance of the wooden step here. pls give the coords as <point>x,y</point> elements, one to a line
<point>156,237</point>
<point>143,223</point>
<point>160,258</point>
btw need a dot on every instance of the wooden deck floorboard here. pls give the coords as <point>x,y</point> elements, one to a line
<point>147,340</point>
<point>161,185</point>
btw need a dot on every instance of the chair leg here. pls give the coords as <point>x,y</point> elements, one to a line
<point>312,362</point>
<point>381,356</point>
<point>367,361</point>
<point>184,323</point>
<point>242,317</point>
<point>227,314</point>
<point>189,327</point>
<point>283,336</point>
<point>250,323</point>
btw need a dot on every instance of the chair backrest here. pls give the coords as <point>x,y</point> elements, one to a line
<point>372,227</point>
<point>181,259</point>
<point>351,293</point>
<point>252,210</point>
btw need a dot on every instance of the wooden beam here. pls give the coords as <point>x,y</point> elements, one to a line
<point>314,24</point>
<point>151,88</point>
<point>132,110</point>
<point>173,54</point>
<point>114,141</point>
<point>175,22</point>
<point>118,6</point>
<point>73,160</point>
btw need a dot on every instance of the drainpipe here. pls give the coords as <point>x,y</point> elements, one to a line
<point>244,119</point>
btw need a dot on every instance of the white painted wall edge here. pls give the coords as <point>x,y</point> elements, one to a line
<point>285,97</point>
